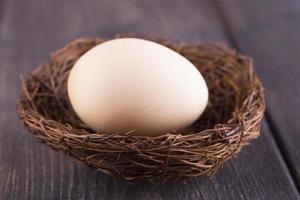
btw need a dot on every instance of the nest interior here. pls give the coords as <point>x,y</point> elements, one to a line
<point>231,120</point>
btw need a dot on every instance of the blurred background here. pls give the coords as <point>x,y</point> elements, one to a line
<point>268,31</point>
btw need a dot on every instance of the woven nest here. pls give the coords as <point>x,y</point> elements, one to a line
<point>231,120</point>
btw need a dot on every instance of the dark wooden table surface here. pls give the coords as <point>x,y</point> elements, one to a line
<point>267,30</point>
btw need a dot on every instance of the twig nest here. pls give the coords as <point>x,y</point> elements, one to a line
<point>231,119</point>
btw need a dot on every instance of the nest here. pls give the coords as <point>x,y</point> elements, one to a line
<point>231,120</point>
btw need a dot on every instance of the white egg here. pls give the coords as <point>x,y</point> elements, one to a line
<point>133,84</point>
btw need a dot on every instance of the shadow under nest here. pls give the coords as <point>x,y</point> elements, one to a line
<point>231,119</point>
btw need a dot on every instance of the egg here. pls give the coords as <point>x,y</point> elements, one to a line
<point>131,84</point>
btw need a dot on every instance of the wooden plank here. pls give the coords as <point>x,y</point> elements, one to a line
<point>269,31</point>
<point>28,170</point>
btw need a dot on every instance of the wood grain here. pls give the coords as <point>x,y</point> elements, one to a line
<point>31,30</point>
<point>270,33</point>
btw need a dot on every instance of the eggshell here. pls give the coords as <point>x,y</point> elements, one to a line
<point>133,84</point>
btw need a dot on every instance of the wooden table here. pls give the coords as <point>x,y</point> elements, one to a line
<point>268,30</point>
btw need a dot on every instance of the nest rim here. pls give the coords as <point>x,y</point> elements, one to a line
<point>132,157</point>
